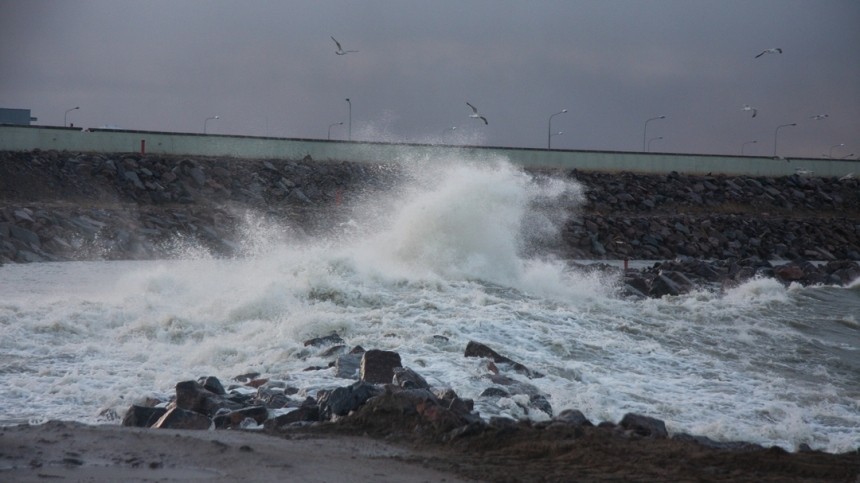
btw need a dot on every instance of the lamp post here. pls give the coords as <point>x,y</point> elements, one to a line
<point>776,132</point>
<point>67,113</point>
<point>744,145</point>
<point>350,118</point>
<point>330,126</point>
<point>653,139</point>
<point>830,154</point>
<point>207,120</point>
<point>549,129</point>
<point>645,131</point>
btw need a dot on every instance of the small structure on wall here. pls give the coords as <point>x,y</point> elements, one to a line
<point>16,116</point>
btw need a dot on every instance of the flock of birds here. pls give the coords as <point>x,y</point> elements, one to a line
<point>474,115</point>
<point>748,108</point>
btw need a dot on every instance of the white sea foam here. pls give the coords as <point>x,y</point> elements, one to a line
<point>450,256</point>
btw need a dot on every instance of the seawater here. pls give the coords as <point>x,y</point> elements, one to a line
<point>449,253</point>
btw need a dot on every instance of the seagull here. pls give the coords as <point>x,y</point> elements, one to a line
<point>803,172</point>
<point>847,177</point>
<point>819,117</point>
<point>340,50</point>
<point>750,108</point>
<point>476,115</point>
<point>769,51</point>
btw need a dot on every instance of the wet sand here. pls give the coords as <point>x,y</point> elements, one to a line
<point>66,451</point>
<point>389,451</point>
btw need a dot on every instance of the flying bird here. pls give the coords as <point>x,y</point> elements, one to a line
<point>750,108</point>
<point>475,114</point>
<point>769,51</point>
<point>340,50</point>
<point>819,117</point>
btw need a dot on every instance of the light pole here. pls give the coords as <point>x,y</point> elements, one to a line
<point>350,118</point>
<point>653,139</point>
<point>333,124</point>
<point>776,132</point>
<point>67,113</point>
<point>830,154</point>
<point>645,131</point>
<point>549,129</point>
<point>207,120</point>
<point>744,145</point>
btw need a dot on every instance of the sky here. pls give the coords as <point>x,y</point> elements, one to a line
<point>269,68</point>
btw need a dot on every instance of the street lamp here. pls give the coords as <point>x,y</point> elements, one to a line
<point>653,139</point>
<point>350,118</point>
<point>207,120</point>
<point>66,114</point>
<point>549,129</point>
<point>744,144</point>
<point>830,155</point>
<point>776,132</point>
<point>645,131</point>
<point>333,124</point>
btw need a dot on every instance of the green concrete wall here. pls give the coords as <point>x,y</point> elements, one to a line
<point>26,138</point>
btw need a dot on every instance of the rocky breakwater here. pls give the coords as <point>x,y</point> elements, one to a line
<point>57,206</point>
<point>77,206</point>
<point>528,441</point>
<point>658,217</point>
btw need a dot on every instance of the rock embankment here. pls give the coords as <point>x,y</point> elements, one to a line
<point>655,217</point>
<point>72,206</point>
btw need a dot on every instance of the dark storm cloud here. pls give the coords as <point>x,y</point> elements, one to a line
<point>269,68</point>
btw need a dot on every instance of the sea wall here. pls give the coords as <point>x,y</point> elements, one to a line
<point>82,206</point>
<point>110,141</point>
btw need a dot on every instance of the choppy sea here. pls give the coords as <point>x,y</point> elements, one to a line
<point>448,254</point>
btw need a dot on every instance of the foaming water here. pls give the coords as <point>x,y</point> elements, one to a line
<point>449,256</point>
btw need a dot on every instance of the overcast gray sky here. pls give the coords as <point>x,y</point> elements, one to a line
<point>269,68</point>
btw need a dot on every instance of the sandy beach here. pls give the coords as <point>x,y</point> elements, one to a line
<point>67,451</point>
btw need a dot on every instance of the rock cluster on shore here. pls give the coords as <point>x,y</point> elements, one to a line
<point>384,396</point>
<point>394,403</point>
